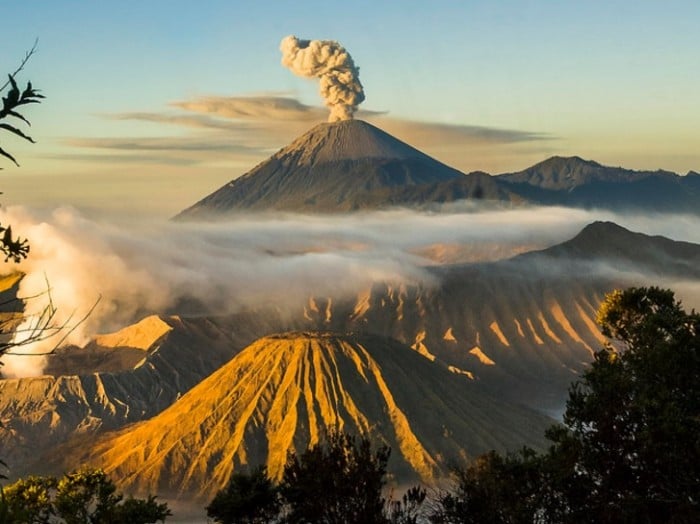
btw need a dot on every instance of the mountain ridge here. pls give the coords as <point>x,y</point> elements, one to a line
<point>566,173</point>
<point>352,165</point>
<point>574,182</point>
<point>519,329</point>
<point>284,390</point>
<point>332,167</point>
<point>617,245</point>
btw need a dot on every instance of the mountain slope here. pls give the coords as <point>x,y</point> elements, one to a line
<point>614,244</point>
<point>576,182</point>
<point>37,413</point>
<point>282,392</point>
<point>520,329</point>
<point>524,327</point>
<point>566,173</point>
<point>337,166</point>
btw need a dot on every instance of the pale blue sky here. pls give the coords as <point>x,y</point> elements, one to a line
<point>608,80</point>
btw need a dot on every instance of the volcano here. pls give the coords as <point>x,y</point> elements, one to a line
<point>344,166</point>
<point>284,391</point>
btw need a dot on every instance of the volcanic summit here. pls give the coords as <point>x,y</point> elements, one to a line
<point>340,166</point>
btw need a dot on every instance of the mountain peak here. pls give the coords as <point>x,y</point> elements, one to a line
<point>569,161</point>
<point>284,391</point>
<point>564,173</point>
<point>337,166</point>
<point>608,241</point>
<point>348,140</point>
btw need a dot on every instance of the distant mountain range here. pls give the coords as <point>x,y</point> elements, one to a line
<point>352,165</point>
<point>345,166</point>
<point>581,183</point>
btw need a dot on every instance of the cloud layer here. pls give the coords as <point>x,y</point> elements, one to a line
<point>140,268</point>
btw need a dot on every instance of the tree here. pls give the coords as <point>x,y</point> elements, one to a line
<point>12,248</point>
<point>29,500</point>
<point>339,480</point>
<point>410,509</point>
<point>248,498</point>
<point>494,488</point>
<point>16,248</point>
<point>631,451</point>
<point>629,447</point>
<point>336,481</point>
<point>80,497</point>
<point>41,326</point>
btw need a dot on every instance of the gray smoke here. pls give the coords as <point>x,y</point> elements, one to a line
<point>328,61</point>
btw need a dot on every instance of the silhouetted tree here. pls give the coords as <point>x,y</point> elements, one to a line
<point>41,326</point>
<point>629,448</point>
<point>12,100</point>
<point>410,509</point>
<point>248,498</point>
<point>336,481</point>
<point>630,451</point>
<point>494,488</point>
<point>15,248</point>
<point>84,496</point>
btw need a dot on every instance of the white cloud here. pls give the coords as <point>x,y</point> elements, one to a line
<point>139,268</point>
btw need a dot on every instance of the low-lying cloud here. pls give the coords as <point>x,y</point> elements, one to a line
<point>141,268</point>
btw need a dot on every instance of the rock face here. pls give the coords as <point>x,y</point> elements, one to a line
<point>342,166</point>
<point>283,391</point>
<point>175,354</point>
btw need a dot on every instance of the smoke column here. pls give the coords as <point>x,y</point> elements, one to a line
<point>328,61</point>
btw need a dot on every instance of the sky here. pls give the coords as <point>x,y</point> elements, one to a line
<point>152,105</point>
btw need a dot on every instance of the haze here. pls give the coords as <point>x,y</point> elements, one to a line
<point>138,268</point>
<point>151,106</point>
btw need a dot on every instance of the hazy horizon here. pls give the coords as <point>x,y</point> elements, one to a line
<point>155,105</point>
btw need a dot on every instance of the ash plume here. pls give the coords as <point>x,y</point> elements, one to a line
<point>328,61</point>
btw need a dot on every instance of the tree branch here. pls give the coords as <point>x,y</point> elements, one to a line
<point>27,56</point>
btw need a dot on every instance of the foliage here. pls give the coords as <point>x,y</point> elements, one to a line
<point>84,496</point>
<point>628,450</point>
<point>247,498</point>
<point>348,474</point>
<point>339,480</point>
<point>41,326</point>
<point>12,100</point>
<point>29,499</point>
<point>494,488</point>
<point>632,449</point>
<point>410,509</point>
<point>140,510</point>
